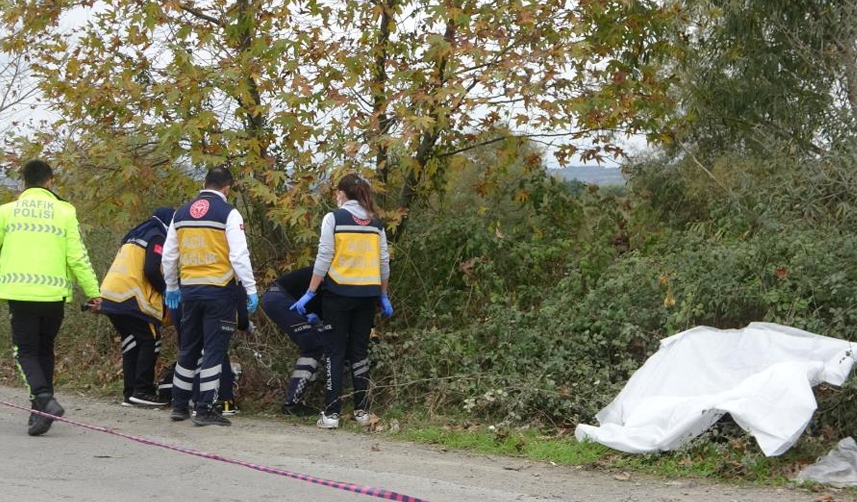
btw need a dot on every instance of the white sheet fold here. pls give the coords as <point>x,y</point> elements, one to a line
<point>762,375</point>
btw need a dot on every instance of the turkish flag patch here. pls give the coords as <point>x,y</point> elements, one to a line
<point>159,249</point>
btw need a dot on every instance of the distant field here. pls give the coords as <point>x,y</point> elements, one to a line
<point>591,175</point>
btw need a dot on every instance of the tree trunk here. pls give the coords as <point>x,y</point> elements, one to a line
<point>379,91</point>
<point>848,56</point>
<point>255,126</point>
<point>254,121</point>
<point>428,140</point>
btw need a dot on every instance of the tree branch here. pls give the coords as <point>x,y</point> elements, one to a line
<point>202,15</point>
<point>512,135</point>
<point>473,146</point>
<point>12,83</point>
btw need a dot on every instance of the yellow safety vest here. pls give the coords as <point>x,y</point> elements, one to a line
<point>203,247</point>
<point>356,266</point>
<point>125,281</point>
<point>41,250</point>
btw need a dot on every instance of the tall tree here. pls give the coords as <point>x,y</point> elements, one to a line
<point>554,72</point>
<point>757,72</point>
<point>293,92</point>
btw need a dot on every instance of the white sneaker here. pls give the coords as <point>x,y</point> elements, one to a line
<point>147,400</point>
<point>328,422</point>
<point>362,417</point>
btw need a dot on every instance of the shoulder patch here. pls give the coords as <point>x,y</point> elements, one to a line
<point>159,249</point>
<point>199,208</point>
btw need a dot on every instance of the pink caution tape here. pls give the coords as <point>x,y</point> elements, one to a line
<point>349,487</point>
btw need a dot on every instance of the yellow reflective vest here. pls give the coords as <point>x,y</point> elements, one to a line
<point>126,290</point>
<point>356,267</point>
<point>203,247</point>
<point>41,251</point>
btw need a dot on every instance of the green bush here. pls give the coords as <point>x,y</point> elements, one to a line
<point>549,329</point>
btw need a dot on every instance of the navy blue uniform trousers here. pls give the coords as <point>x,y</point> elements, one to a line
<point>308,338</point>
<point>208,325</point>
<point>351,320</point>
<point>227,378</point>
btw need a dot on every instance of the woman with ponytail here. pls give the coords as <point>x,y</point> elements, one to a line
<point>354,265</point>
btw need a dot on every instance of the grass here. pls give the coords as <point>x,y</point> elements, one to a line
<point>713,456</point>
<point>528,444</point>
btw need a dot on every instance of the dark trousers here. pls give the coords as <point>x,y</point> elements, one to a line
<point>34,328</point>
<point>141,343</point>
<point>226,391</point>
<point>206,329</point>
<point>351,322</point>
<point>308,338</point>
<point>227,378</point>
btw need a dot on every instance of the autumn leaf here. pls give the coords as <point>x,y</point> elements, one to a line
<point>669,300</point>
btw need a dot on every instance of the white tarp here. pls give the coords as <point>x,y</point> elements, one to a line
<point>762,375</point>
<point>837,468</point>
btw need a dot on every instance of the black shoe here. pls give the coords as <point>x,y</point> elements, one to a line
<point>179,414</point>
<point>147,399</point>
<point>298,410</point>
<point>210,417</point>
<point>39,424</point>
<point>33,416</point>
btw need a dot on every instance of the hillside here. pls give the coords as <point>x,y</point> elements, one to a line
<point>591,175</point>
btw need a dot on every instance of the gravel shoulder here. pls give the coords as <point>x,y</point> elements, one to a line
<point>74,464</point>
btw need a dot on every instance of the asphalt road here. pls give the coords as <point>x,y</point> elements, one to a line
<point>74,464</point>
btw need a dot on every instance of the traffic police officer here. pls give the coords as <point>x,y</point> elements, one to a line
<point>206,248</point>
<point>133,299</point>
<point>40,250</point>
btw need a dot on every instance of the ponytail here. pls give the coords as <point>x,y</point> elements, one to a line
<point>357,188</point>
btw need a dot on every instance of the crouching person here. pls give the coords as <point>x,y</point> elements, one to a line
<point>305,331</point>
<point>133,299</point>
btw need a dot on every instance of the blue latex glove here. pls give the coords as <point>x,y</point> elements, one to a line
<point>300,305</point>
<point>173,298</point>
<point>252,303</point>
<point>386,306</point>
<point>313,318</point>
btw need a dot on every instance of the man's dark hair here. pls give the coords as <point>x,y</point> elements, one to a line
<point>218,178</point>
<point>37,173</point>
